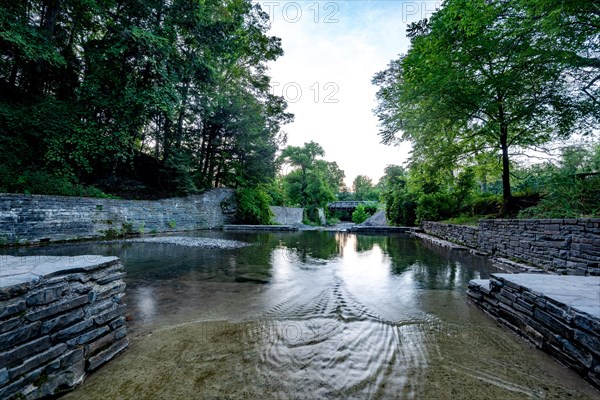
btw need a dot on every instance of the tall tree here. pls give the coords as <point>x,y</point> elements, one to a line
<point>174,93</point>
<point>363,188</point>
<point>314,181</point>
<point>470,83</point>
<point>570,32</point>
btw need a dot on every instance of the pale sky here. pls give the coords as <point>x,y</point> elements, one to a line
<point>332,50</point>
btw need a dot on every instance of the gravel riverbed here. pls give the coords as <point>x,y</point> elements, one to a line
<point>207,243</point>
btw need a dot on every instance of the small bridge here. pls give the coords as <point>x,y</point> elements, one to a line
<point>349,205</point>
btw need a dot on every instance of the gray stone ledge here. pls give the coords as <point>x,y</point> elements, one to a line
<point>577,292</point>
<point>559,314</point>
<point>15,271</point>
<point>259,228</point>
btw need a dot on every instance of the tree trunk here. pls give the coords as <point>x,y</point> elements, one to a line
<point>181,117</point>
<point>166,145</point>
<point>47,26</point>
<point>209,152</point>
<point>506,194</point>
<point>303,188</point>
<point>507,200</point>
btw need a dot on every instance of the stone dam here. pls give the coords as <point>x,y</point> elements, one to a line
<point>31,219</point>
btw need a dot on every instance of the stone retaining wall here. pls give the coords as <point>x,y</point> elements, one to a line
<point>569,334</point>
<point>570,246</point>
<point>287,215</point>
<point>35,218</point>
<point>60,319</point>
<point>465,235</point>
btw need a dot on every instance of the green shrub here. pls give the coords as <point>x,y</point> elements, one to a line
<point>370,208</point>
<point>464,185</point>
<point>333,221</point>
<point>463,220</point>
<point>253,206</point>
<point>567,197</point>
<point>359,215</point>
<point>436,207</point>
<point>402,210</point>
<point>42,182</point>
<point>311,216</point>
<point>486,204</point>
<point>126,229</point>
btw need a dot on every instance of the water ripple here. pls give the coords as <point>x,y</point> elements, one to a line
<point>332,345</point>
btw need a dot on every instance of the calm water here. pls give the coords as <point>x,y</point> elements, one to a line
<point>340,316</point>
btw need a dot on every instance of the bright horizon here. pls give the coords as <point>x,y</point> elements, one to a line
<point>332,50</point>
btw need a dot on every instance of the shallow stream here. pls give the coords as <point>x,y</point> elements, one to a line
<point>313,315</point>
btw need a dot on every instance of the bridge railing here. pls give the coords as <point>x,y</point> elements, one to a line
<point>348,205</point>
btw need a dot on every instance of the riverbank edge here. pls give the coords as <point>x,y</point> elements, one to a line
<point>499,262</point>
<point>544,315</point>
<point>563,246</point>
<point>571,336</point>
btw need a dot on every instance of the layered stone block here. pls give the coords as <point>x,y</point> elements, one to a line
<point>558,314</point>
<point>287,215</point>
<point>60,319</point>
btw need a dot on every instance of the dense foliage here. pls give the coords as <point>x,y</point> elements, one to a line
<point>566,187</point>
<point>253,206</point>
<point>363,189</point>
<point>310,182</point>
<point>158,97</point>
<point>359,215</point>
<point>569,188</point>
<point>484,81</point>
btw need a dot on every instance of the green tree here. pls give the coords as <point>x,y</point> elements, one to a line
<point>471,83</point>
<point>332,174</point>
<point>569,33</point>
<point>569,188</point>
<point>173,94</point>
<point>400,201</point>
<point>306,184</point>
<point>364,189</point>
<point>253,206</point>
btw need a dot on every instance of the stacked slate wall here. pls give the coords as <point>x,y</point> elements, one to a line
<point>60,319</point>
<point>462,234</point>
<point>35,218</point>
<point>569,246</point>
<point>569,335</point>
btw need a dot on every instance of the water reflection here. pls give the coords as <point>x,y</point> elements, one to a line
<point>145,302</point>
<point>310,315</point>
<point>306,247</point>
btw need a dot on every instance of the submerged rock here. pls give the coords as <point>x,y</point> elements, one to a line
<point>253,277</point>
